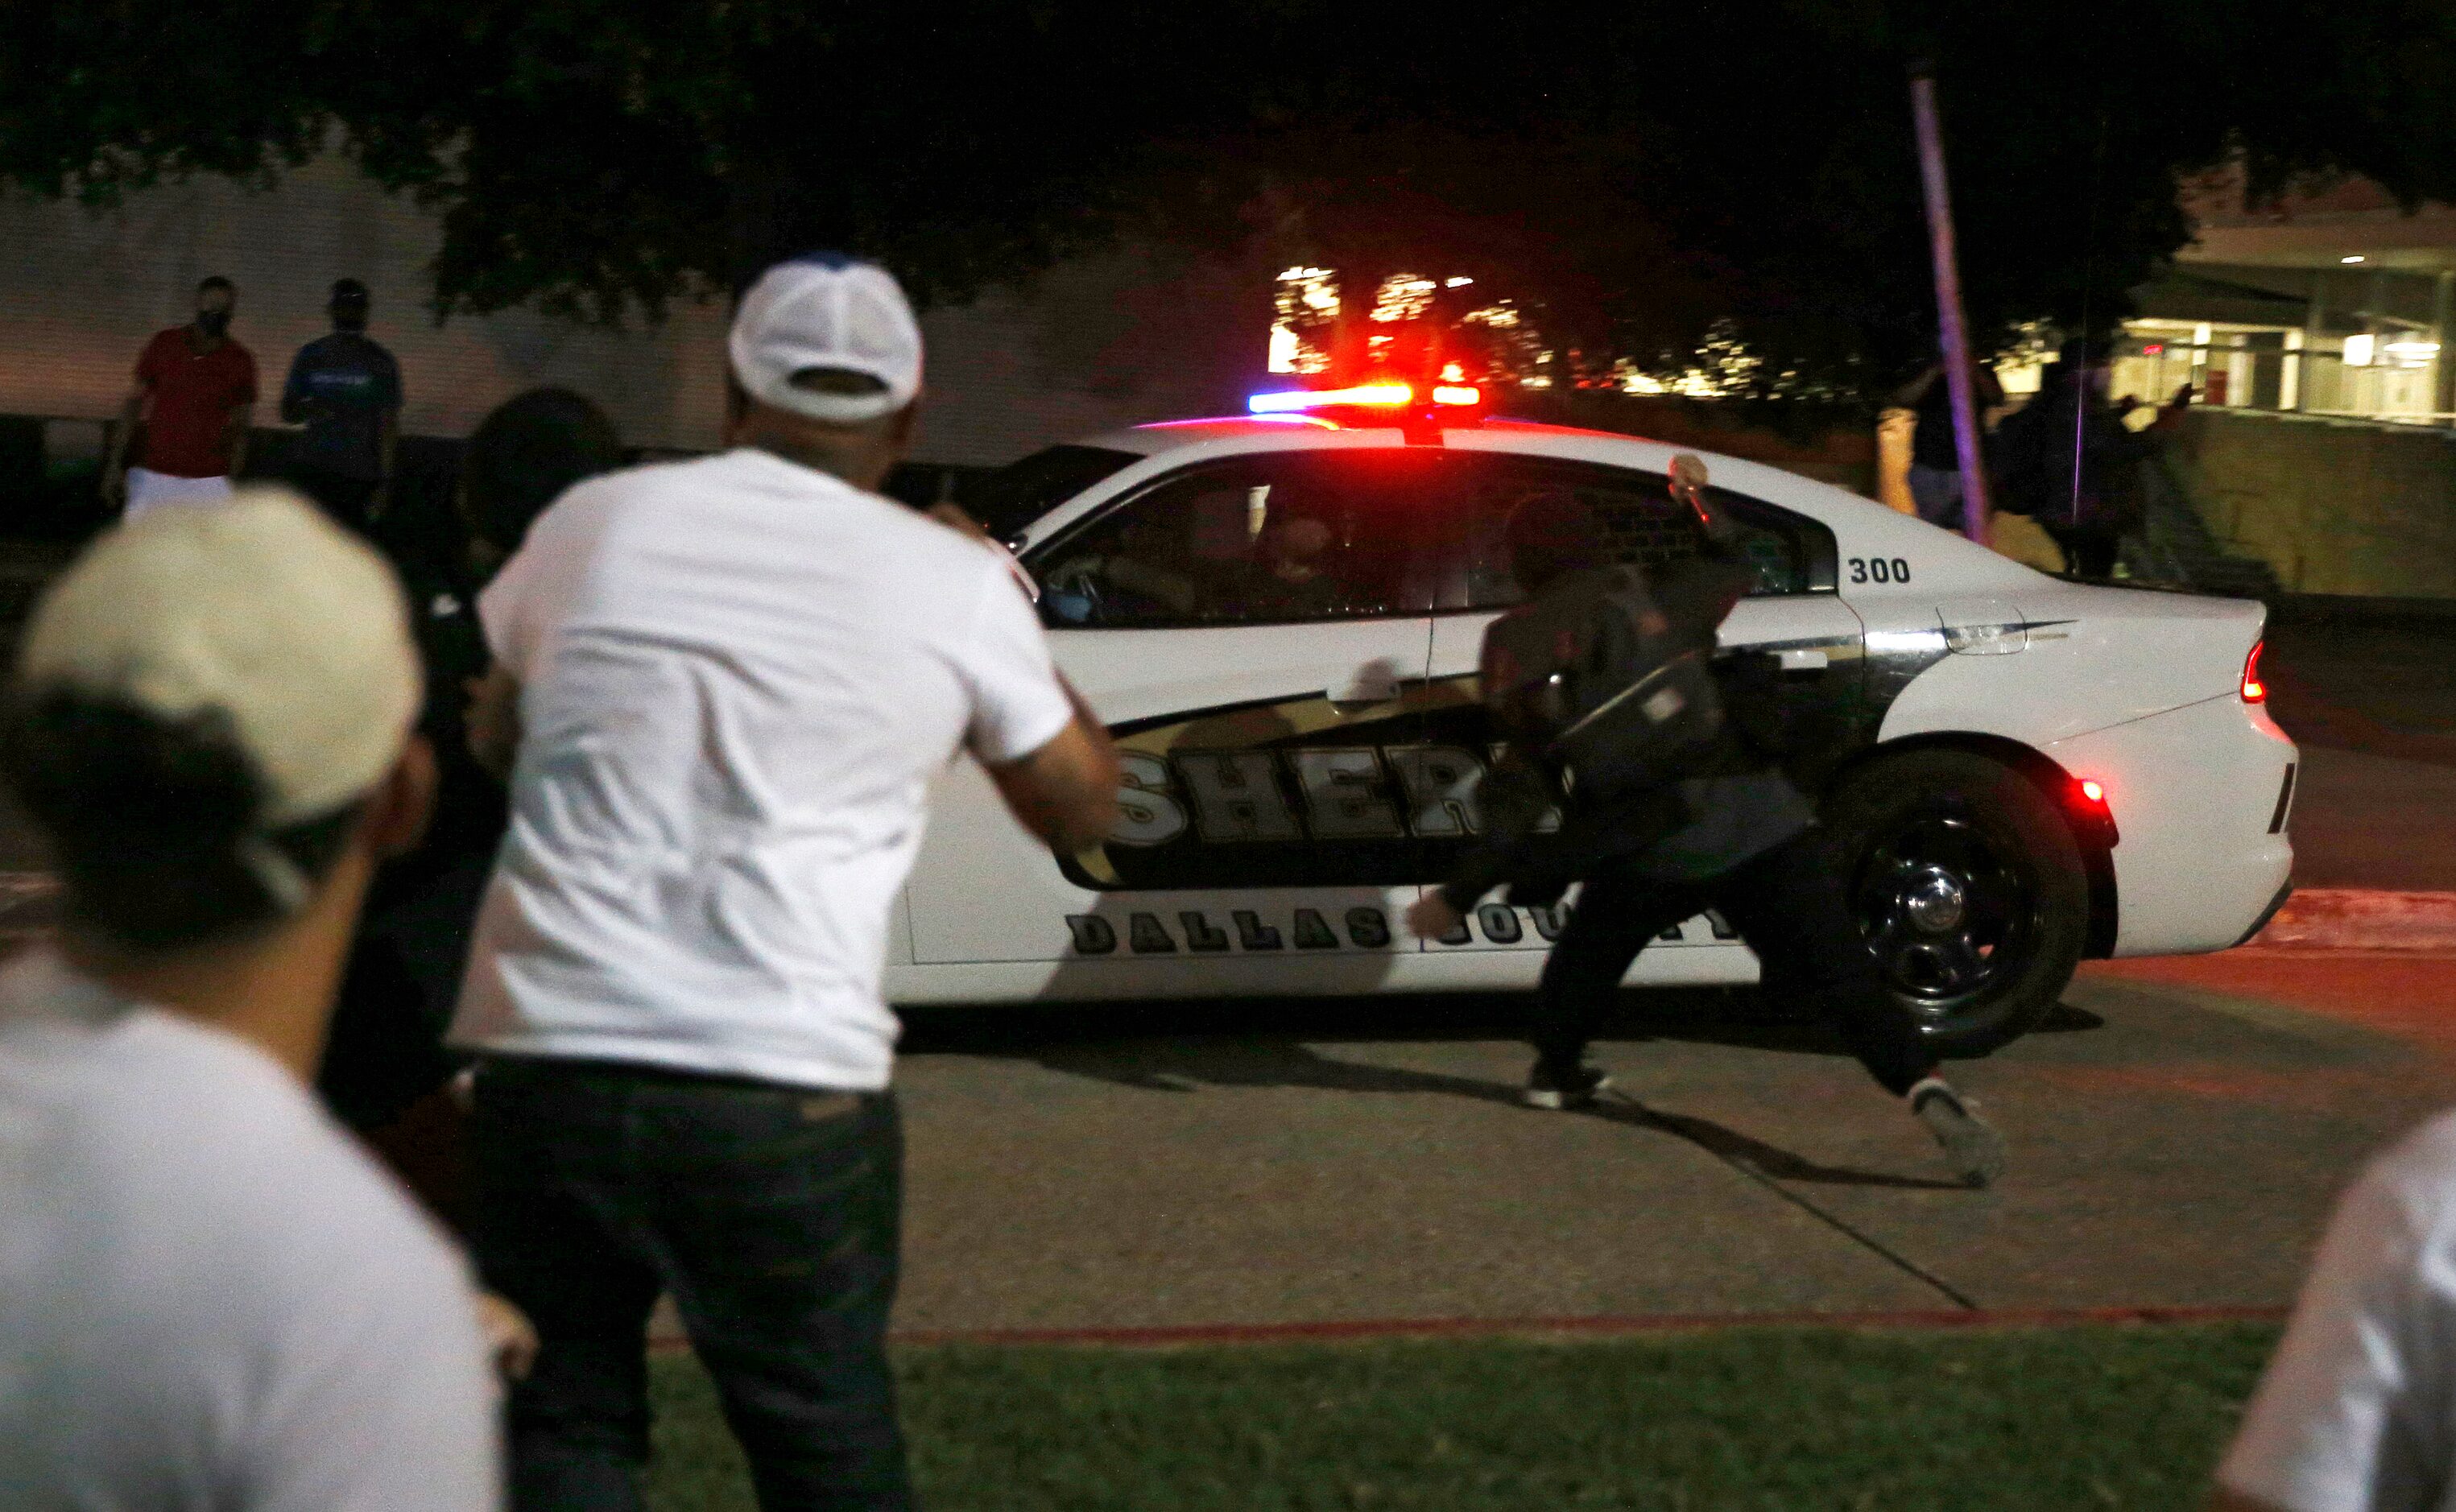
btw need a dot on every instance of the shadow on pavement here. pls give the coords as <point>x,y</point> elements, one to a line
<point>1186,1047</point>
<point>1739,1017</point>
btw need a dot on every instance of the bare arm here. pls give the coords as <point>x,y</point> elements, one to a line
<point>1065,792</point>
<point>494,721</point>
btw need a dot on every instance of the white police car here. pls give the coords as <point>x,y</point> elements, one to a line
<point>1280,616</point>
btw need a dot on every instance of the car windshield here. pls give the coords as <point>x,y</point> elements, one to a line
<point>1014,495</point>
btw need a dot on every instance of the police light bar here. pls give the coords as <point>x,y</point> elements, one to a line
<point>1372,396</point>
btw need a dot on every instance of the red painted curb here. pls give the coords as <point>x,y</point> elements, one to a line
<point>2363,919</point>
<point>1362,1330</point>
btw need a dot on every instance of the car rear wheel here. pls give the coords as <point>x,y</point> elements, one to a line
<point>1968,886</point>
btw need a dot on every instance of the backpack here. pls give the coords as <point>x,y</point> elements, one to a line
<point>1590,680</point>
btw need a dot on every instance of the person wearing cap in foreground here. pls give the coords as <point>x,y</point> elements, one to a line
<point>721,689</point>
<point>213,1300</point>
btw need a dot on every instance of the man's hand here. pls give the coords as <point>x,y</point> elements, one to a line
<point>1431,917</point>
<point>1689,483</point>
<point>511,1338</point>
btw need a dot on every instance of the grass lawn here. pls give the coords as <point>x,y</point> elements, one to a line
<point>1788,1418</point>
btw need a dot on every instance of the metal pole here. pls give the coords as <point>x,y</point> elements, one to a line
<point>1954,336</point>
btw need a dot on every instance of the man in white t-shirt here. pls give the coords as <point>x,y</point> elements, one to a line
<point>729,684</point>
<point>211,1300</point>
<point>2358,1410</point>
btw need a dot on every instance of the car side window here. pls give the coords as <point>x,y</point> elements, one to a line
<point>1278,538</point>
<point>1648,529</point>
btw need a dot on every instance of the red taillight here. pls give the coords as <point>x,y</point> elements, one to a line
<point>2093,791</point>
<point>2254,690</point>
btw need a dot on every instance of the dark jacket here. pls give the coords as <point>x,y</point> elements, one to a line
<point>386,1047</point>
<point>1537,867</point>
<point>2067,458</point>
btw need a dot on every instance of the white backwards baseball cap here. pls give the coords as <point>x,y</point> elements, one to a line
<point>827,311</point>
<point>260,607</point>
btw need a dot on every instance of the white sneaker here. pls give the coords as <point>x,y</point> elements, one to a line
<point>1970,1143</point>
<point>1557,1094</point>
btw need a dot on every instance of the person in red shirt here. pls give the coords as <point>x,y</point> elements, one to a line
<point>189,413</point>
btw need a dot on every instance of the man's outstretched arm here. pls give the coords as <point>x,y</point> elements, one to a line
<point>1065,792</point>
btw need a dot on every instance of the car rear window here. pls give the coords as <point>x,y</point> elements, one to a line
<point>1019,493</point>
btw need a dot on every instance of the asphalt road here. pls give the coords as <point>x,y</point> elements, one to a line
<point>2178,1136</point>
<point>2374,710</point>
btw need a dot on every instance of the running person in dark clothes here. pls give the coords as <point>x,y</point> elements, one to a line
<point>386,1057</point>
<point>347,391</point>
<point>2070,462</point>
<point>1745,844</point>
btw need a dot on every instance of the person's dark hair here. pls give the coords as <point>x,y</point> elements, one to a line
<point>349,303</point>
<point>348,289</point>
<point>1552,534</point>
<point>148,820</point>
<point>525,453</point>
<point>217,281</point>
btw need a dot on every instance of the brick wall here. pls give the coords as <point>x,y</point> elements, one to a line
<point>2334,508</point>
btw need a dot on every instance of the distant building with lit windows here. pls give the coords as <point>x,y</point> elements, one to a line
<point>2328,301</point>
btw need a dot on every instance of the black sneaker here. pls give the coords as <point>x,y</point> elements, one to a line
<point>1556,1092</point>
<point>1970,1143</point>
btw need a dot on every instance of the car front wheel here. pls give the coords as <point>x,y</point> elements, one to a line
<point>1967,885</point>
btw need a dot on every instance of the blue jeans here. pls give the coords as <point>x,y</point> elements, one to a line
<point>773,1215</point>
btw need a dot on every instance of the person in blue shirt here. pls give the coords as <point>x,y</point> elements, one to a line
<point>346,390</point>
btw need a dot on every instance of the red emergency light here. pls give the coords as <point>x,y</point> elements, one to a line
<point>2093,816</point>
<point>1363,395</point>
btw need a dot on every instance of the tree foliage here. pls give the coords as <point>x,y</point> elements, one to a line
<point>1641,172</point>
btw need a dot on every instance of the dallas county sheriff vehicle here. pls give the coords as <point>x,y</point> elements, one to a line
<point>1281,614</point>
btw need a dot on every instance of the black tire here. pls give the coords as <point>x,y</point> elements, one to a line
<point>1968,883</point>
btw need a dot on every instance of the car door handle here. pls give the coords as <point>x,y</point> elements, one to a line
<point>1802,662</point>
